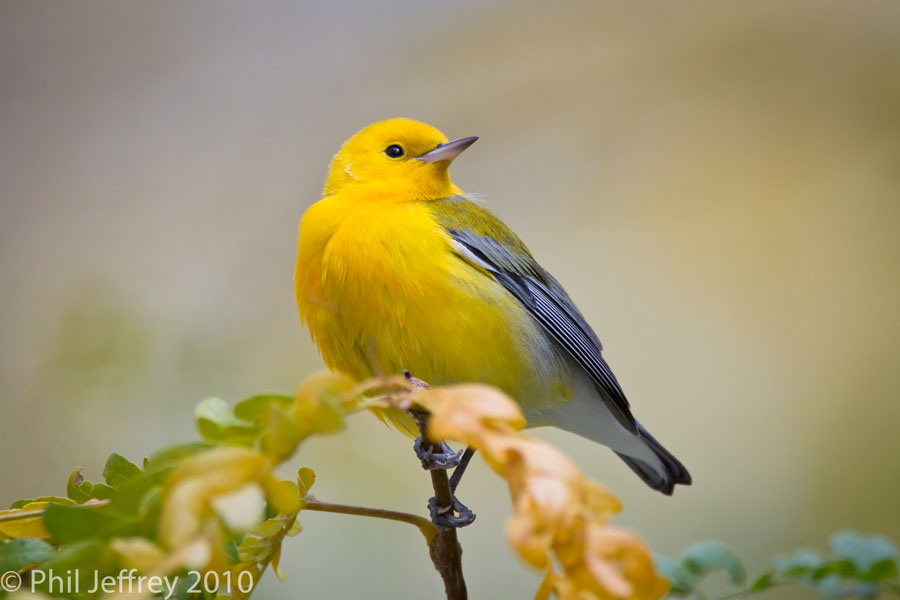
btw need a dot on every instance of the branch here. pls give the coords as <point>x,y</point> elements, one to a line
<point>427,528</point>
<point>444,549</point>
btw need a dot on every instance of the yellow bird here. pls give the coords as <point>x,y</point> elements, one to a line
<point>397,269</point>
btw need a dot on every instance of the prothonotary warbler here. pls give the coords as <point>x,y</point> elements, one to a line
<point>397,269</point>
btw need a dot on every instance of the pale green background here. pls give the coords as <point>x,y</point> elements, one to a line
<point>716,184</point>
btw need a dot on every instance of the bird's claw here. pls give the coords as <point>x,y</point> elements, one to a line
<point>450,517</point>
<point>432,461</point>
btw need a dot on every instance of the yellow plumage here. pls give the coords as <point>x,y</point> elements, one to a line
<point>381,288</point>
<point>398,270</point>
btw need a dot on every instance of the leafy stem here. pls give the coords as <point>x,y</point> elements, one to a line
<point>37,512</point>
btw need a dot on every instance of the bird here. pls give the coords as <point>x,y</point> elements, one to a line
<point>399,270</point>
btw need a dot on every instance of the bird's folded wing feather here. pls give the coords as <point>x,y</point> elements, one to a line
<point>482,240</point>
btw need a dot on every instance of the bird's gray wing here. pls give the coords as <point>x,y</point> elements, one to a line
<point>511,265</point>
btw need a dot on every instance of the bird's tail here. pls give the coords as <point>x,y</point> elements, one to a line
<point>663,480</point>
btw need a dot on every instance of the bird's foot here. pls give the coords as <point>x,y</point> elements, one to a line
<point>450,517</point>
<point>431,460</point>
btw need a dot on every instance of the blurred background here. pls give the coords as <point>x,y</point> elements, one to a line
<point>716,184</point>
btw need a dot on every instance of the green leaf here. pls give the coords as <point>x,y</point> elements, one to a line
<point>132,497</point>
<point>217,423</point>
<point>864,552</point>
<point>283,497</point>
<point>185,584</point>
<point>119,470</point>
<point>69,524</point>
<point>705,557</point>
<point>76,489</point>
<point>85,557</point>
<point>254,549</point>
<point>322,417</point>
<point>800,562</point>
<point>840,568</point>
<point>174,455</point>
<point>294,529</point>
<point>882,570</point>
<point>681,582</point>
<point>81,490</point>
<point>256,408</point>
<point>52,499</point>
<point>231,552</point>
<point>282,435</point>
<point>762,583</point>
<point>306,477</point>
<point>269,528</point>
<point>20,553</point>
<point>148,511</point>
<point>102,491</point>
<point>151,502</point>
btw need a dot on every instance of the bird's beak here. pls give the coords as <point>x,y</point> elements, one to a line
<point>448,151</point>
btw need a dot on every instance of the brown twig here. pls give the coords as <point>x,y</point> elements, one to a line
<point>444,549</point>
<point>427,528</point>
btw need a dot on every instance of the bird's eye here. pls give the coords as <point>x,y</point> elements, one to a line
<point>394,151</point>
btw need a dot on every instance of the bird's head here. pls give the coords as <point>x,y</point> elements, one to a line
<point>402,157</point>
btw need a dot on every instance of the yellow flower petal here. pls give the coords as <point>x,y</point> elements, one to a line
<point>137,553</point>
<point>197,480</point>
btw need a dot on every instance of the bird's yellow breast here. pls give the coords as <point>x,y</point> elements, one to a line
<point>381,289</point>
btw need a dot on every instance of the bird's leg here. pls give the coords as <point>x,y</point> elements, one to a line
<point>461,468</point>
<point>448,517</point>
<point>447,512</point>
<point>432,460</point>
